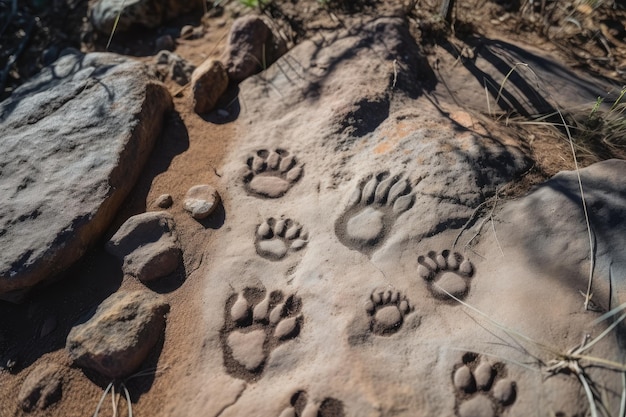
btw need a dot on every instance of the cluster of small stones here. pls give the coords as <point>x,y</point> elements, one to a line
<point>250,43</point>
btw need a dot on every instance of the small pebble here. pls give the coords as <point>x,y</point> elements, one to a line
<point>164,43</point>
<point>164,201</point>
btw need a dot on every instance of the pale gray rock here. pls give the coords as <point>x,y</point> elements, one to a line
<point>251,47</point>
<point>201,201</point>
<point>208,82</point>
<point>148,245</point>
<point>148,13</point>
<point>74,140</point>
<point>41,388</point>
<point>123,330</point>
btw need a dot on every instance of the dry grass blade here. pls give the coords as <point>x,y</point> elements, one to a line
<point>106,391</point>
<point>127,394</point>
<point>117,19</point>
<point>622,405</point>
<point>570,140</point>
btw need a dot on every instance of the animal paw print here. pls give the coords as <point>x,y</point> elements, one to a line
<point>276,237</point>
<point>372,210</point>
<point>255,324</point>
<point>271,173</point>
<point>387,310</point>
<point>482,389</point>
<point>302,407</point>
<point>446,273</point>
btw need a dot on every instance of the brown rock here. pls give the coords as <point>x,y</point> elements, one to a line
<point>251,48</point>
<point>164,201</point>
<point>119,336</point>
<point>208,82</point>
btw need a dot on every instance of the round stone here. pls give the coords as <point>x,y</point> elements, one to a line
<point>201,201</point>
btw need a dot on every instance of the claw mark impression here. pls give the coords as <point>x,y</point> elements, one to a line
<point>373,208</point>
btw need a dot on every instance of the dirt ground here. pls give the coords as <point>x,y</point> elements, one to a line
<point>589,37</point>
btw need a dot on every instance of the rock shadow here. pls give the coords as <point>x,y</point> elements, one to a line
<point>173,140</point>
<point>309,69</point>
<point>216,219</point>
<point>227,109</point>
<point>518,78</point>
<point>41,324</point>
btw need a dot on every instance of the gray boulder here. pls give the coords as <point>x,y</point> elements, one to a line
<point>117,339</point>
<point>74,141</point>
<point>148,245</point>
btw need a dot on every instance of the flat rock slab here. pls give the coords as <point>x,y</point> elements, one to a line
<point>341,137</point>
<point>121,333</point>
<point>74,140</point>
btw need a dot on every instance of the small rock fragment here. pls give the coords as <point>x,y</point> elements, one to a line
<point>164,43</point>
<point>42,387</point>
<point>201,201</point>
<point>208,82</point>
<point>117,339</point>
<point>164,201</point>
